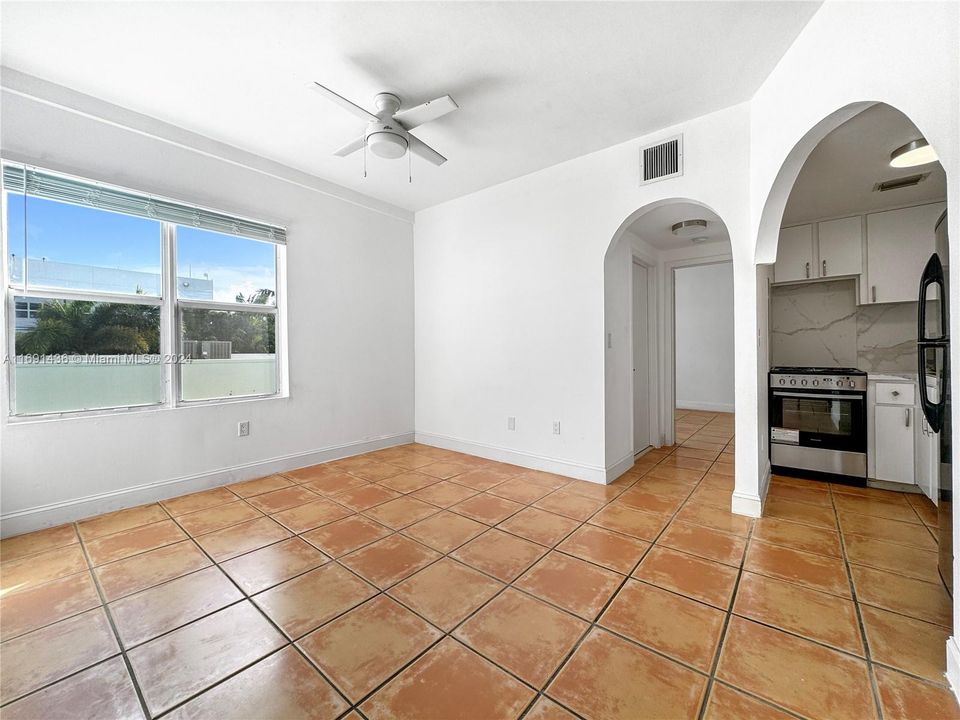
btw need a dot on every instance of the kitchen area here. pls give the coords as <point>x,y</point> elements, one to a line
<point>858,377</point>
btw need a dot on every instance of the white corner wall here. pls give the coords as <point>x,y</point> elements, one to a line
<point>849,56</point>
<point>349,314</point>
<point>512,310</point>
<point>704,337</point>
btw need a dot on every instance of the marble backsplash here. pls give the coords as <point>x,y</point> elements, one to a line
<point>820,324</point>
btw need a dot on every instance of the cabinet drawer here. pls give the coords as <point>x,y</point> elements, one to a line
<point>895,393</point>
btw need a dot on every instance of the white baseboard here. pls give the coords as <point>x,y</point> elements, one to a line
<point>590,473</point>
<point>953,665</point>
<point>749,504</point>
<point>44,516</point>
<point>619,467</point>
<point>708,406</point>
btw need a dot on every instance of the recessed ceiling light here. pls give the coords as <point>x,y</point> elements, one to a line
<point>915,152</point>
<point>689,228</point>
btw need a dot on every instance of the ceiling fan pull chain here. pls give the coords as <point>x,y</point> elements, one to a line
<point>364,159</point>
<point>409,167</point>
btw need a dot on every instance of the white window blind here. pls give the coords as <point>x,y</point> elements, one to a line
<point>52,186</point>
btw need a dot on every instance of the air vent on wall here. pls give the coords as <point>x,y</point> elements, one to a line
<point>661,161</point>
<point>903,182</point>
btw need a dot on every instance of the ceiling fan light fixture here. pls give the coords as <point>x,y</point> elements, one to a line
<point>387,145</point>
<point>916,152</point>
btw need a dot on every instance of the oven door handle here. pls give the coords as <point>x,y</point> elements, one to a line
<point>819,396</point>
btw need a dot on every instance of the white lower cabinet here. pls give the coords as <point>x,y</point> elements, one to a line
<point>901,446</point>
<point>893,431</point>
<point>928,458</point>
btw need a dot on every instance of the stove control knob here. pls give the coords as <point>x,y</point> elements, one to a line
<point>816,382</point>
<point>839,383</point>
<point>803,382</point>
<point>852,383</point>
<point>793,382</point>
<point>782,381</point>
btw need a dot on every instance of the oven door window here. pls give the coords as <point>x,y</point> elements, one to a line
<point>835,423</point>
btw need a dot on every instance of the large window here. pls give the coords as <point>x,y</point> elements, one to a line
<point>116,299</point>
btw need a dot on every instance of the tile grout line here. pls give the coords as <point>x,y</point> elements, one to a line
<point>714,666</point>
<point>537,693</point>
<point>549,549</point>
<point>595,623</point>
<point>287,641</point>
<point>351,706</point>
<point>871,678</point>
<point>113,627</point>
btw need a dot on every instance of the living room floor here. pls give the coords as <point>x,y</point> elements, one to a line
<point>421,583</point>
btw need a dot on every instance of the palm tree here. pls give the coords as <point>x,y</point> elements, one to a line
<point>260,297</point>
<point>85,327</point>
<point>247,332</point>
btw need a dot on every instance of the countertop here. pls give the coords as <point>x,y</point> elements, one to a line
<point>888,377</point>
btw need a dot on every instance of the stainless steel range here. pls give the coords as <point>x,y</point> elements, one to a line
<point>818,421</point>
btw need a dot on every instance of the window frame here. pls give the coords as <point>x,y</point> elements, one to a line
<point>171,308</point>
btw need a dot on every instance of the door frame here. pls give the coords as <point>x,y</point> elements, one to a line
<point>669,399</point>
<point>653,353</point>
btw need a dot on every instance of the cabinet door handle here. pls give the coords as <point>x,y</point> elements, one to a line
<point>873,291</point>
<point>895,393</point>
<point>807,269</point>
<point>824,268</point>
<point>908,417</point>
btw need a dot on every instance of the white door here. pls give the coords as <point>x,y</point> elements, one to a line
<point>641,363</point>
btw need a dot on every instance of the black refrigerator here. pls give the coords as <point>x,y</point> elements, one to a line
<point>933,353</point>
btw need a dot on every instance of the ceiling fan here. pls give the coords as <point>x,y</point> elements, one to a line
<point>387,134</point>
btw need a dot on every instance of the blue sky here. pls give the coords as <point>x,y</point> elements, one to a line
<point>85,236</point>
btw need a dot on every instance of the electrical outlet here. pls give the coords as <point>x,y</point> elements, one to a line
<point>511,423</point>
<point>556,427</point>
<point>243,429</point>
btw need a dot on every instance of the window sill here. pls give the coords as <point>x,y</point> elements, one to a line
<point>139,409</point>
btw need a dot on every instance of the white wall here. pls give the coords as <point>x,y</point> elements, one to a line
<point>512,307</point>
<point>850,55</point>
<point>349,312</point>
<point>704,337</point>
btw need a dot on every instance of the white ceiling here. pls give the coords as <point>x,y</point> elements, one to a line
<point>839,175</point>
<point>537,83</point>
<point>654,227</point>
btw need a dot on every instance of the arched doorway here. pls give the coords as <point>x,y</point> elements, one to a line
<point>650,250</point>
<point>850,297</point>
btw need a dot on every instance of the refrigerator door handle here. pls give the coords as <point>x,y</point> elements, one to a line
<point>934,411</point>
<point>932,274</point>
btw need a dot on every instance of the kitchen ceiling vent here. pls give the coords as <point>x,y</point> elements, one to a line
<point>903,182</point>
<point>661,161</point>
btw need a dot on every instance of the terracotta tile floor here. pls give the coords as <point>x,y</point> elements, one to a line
<point>420,583</point>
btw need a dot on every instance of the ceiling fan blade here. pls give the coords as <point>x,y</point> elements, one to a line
<point>351,147</point>
<point>343,102</point>
<point>419,147</point>
<point>425,113</point>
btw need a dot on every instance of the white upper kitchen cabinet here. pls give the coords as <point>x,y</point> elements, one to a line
<point>841,247</point>
<point>795,254</point>
<point>899,243</point>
